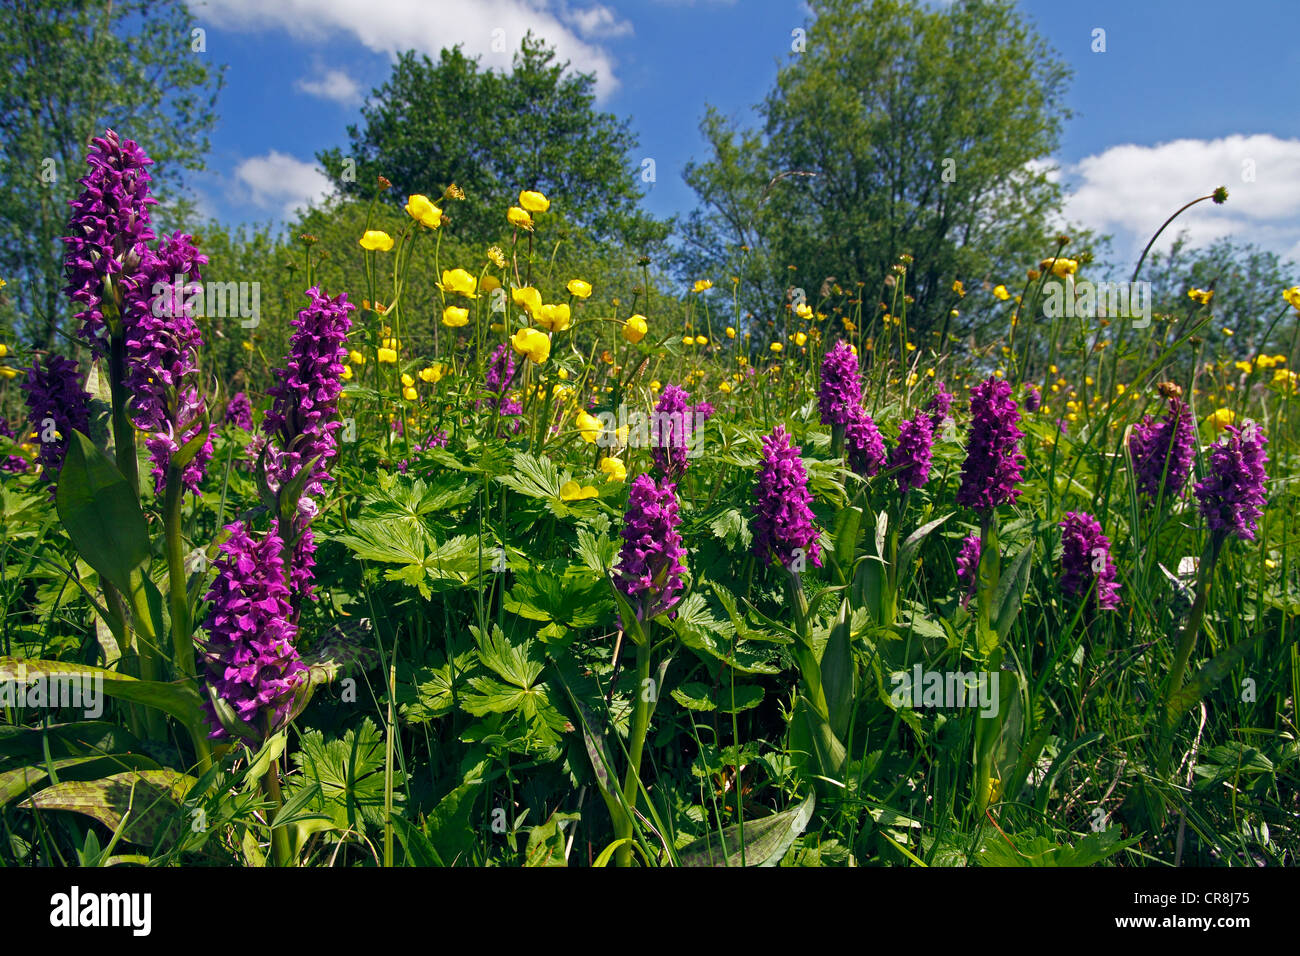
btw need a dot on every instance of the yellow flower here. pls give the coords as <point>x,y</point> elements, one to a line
<point>563,373</point>
<point>912,379</point>
<point>1244,367</point>
<point>347,373</point>
<point>356,358</point>
<point>590,427</point>
<point>555,317</point>
<point>248,347</point>
<point>1060,267</point>
<point>701,340</point>
<point>959,288</point>
<point>804,311</point>
<point>688,340</point>
<point>731,333</point>
<point>1000,292</point>
<point>1228,332</point>
<point>433,374</point>
<point>800,338</point>
<point>4,350</point>
<point>497,256</point>
<point>527,298</point>
<point>535,345</point>
<point>1221,418</point>
<point>725,387</point>
<point>776,346</point>
<point>409,394</point>
<point>635,328</point>
<point>614,469</point>
<point>703,285</point>
<point>517,217</point>
<point>458,281</point>
<point>424,212</point>
<point>490,283</point>
<point>387,356</point>
<point>655,386</point>
<point>572,491</point>
<point>1202,296</point>
<point>454,316</point>
<point>1292,296</point>
<point>579,289</point>
<point>376,241</point>
<point>407,381</point>
<point>534,202</point>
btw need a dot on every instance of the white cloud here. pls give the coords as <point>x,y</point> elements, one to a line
<point>1132,189</point>
<point>492,29</point>
<point>332,85</point>
<point>598,21</point>
<point>280,180</point>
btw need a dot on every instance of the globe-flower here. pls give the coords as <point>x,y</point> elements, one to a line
<point>459,282</point>
<point>635,328</point>
<point>375,240</point>
<point>533,344</point>
<point>731,333</point>
<point>432,374</point>
<point>356,358</point>
<point>534,201</point>
<point>528,299</point>
<point>613,469</point>
<point>572,491</point>
<point>454,317</point>
<point>1000,292</point>
<point>423,211</point>
<point>556,318</point>
<point>776,346</point>
<point>702,285</point>
<point>1221,418</point>
<point>518,217</point>
<point>589,426</point>
<point>799,338</point>
<point>386,356</point>
<point>1060,267</point>
<point>1292,297</point>
<point>579,289</point>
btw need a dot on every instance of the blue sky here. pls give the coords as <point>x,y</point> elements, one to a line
<point>1188,94</point>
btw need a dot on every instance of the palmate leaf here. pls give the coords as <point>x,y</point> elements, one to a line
<point>597,553</point>
<point>423,560</point>
<point>534,477</point>
<point>576,598</point>
<point>1036,850</point>
<point>399,496</point>
<point>732,527</point>
<point>349,776</point>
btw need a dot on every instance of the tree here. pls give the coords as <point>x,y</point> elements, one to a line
<point>895,129</point>
<point>73,69</point>
<point>494,134</point>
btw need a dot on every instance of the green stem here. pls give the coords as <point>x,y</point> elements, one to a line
<point>1187,643</point>
<point>182,646</point>
<point>636,745</point>
<point>123,430</point>
<point>280,848</point>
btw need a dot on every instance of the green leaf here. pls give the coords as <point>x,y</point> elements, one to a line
<point>732,527</point>
<point>1011,590</point>
<point>546,841</point>
<point>450,832</point>
<point>15,783</point>
<point>766,840</point>
<point>1204,680</point>
<point>913,540</point>
<point>148,800</point>
<point>694,696</point>
<point>350,775</point>
<point>180,700</point>
<point>101,513</point>
<point>848,528</point>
